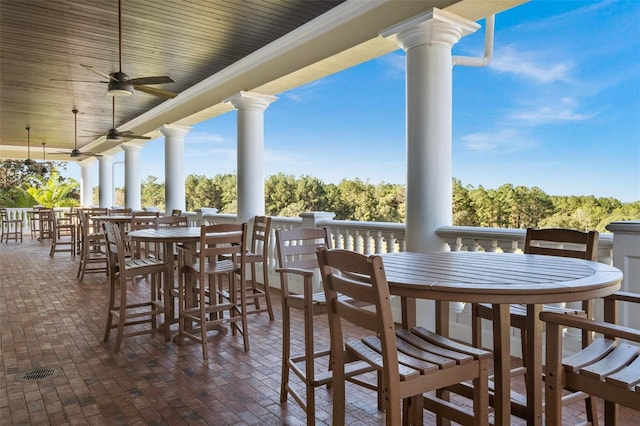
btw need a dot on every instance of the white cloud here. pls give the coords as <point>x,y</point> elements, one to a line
<point>530,65</point>
<point>204,138</point>
<point>303,93</point>
<point>396,65</point>
<point>552,111</point>
<point>505,140</point>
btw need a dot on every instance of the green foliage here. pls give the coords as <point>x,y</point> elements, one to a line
<point>16,176</point>
<point>152,193</point>
<point>54,191</point>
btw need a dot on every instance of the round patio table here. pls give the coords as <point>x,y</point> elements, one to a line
<point>500,280</point>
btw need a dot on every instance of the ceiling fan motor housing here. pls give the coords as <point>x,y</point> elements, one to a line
<point>119,85</point>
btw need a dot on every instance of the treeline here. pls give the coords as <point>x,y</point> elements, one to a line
<point>25,185</point>
<point>505,207</point>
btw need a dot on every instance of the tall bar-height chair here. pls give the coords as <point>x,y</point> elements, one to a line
<point>144,220</point>
<point>34,221</point>
<point>257,253</point>
<point>297,261</point>
<point>122,313</point>
<point>63,235</point>
<point>412,362</point>
<point>551,242</point>
<point>93,254</point>
<point>221,254</point>
<point>11,228</point>
<point>45,218</point>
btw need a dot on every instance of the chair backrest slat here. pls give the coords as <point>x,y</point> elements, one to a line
<point>162,221</point>
<point>297,247</point>
<point>551,242</point>
<point>223,239</point>
<point>144,220</point>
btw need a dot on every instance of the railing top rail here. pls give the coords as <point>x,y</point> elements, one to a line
<point>354,224</point>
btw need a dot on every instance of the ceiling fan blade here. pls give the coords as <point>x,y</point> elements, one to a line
<point>78,81</point>
<point>161,79</point>
<point>100,73</point>
<point>156,92</point>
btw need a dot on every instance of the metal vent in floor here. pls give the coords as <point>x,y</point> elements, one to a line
<point>37,374</point>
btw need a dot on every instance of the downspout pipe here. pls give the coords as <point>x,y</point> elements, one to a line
<point>469,61</point>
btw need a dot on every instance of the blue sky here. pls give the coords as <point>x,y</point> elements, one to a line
<point>557,108</point>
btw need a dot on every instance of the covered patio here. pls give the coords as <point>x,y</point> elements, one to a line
<point>51,320</point>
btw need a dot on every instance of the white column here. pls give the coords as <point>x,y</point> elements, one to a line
<point>105,184</point>
<point>428,39</point>
<point>174,193</point>
<point>132,190</point>
<point>250,177</point>
<point>86,182</point>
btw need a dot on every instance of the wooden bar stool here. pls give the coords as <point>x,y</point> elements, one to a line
<point>11,228</point>
<point>122,313</point>
<point>63,235</point>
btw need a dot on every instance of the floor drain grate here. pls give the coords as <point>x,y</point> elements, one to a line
<point>37,374</point>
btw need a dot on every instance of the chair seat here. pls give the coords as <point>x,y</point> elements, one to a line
<point>219,267</point>
<point>420,352</point>
<point>140,266</point>
<point>605,360</point>
<point>608,368</point>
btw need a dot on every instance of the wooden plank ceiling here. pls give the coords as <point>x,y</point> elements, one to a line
<point>42,41</point>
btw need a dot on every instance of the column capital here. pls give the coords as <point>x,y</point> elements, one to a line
<point>174,130</point>
<point>251,100</point>
<point>435,27</point>
<point>105,158</point>
<point>131,147</point>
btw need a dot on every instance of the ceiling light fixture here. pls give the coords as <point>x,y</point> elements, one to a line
<point>28,161</point>
<point>120,85</point>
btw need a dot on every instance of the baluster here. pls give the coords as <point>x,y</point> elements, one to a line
<point>378,241</point>
<point>348,241</point>
<point>391,243</point>
<point>359,240</point>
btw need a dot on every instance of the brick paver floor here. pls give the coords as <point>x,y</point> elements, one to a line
<point>49,319</point>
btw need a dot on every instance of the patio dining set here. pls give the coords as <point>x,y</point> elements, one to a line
<point>208,278</point>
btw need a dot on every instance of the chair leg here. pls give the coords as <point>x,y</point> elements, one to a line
<point>591,409</point>
<point>122,314</point>
<point>267,289</point>
<point>476,327</point>
<point>309,365</point>
<point>254,286</point>
<point>243,309</point>
<point>203,318</point>
<point>112,295</point>
<point>286,350</point>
